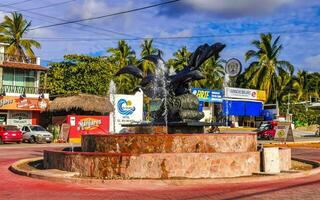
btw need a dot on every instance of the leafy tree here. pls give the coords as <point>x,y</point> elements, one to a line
<point>80,74</point>
<point>12,30</point>
<point>263,72</point>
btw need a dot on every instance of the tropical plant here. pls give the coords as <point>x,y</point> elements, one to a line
<point>121,56</point>
<point>180,59</point>
<point>285,86</point>
<point>263,72</point>
<point>12,32</point>
<point>147,50</point>
<point>213,72</point>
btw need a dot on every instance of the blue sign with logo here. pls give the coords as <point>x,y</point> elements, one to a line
<point>125,107</point>
<point>207,95</point>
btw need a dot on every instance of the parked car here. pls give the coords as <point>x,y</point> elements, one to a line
<point>267,130</point>
<point>10,133</point>
<point>36,133</point>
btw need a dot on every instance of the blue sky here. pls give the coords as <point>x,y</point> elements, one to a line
<point>233,22</point>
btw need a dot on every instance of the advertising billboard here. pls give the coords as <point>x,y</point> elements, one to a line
<point>17,103</point>
<point>242,93</point>
<point>19,118</point>
<point>128,109</point>
<point>87,124</point>
<point>207,95</point>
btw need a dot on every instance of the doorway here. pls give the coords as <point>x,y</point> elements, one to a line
<point>3,118</point>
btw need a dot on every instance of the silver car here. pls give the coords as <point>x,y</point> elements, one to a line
<point>36,133</point>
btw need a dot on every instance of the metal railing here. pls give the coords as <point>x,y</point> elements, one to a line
<point>21,89</point>
<point>17,58</point>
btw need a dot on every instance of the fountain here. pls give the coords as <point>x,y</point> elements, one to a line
<point>155,153</point>
<point>112,92</point>
<point>179,110</point>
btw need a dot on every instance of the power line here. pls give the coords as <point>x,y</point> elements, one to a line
<point>47,6</point>
<point>15,3</point>
<point>171,37</point>
<point>108,15</point>
<point>85,25</point>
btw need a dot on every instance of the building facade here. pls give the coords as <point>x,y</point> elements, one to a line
<point>238,106</point>
<point>22,97</point>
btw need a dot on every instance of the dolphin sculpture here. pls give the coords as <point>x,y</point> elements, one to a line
<point>175,88</point>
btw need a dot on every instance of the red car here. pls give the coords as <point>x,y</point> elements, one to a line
<point>9,133</point>
<point>267,130</point>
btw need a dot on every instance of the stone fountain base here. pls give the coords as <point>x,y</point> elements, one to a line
<point>155,166</point>
<point>138,156</point>
<point>194,127</point>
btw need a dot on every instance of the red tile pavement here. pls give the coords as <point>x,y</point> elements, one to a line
<point>19,187</point>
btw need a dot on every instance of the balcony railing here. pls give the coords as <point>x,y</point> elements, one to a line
<point>22,89</point>
<point>17,58</point>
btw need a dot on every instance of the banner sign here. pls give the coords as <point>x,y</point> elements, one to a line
<point>284,132</point>
<point>207,95</point>
<point>241,93</point>
<point>82,124</point>
<point>128,109</point>
<point>17,103</point>
<point>19,118</point>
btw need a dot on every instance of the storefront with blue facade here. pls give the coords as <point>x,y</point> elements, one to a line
<point>232,106</point>
<point>210,103</point>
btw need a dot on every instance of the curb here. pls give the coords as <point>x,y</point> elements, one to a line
<point>292,143</point>
<point>69,177</point>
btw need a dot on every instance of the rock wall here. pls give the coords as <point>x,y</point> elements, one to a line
<point>155,166</point>
<point>170,143</point>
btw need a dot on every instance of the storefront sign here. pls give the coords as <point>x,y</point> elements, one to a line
<point>207,95</point>
<point>241,93</point>
<point>89,123</point>
<point>128,109</point>
<point>19,118</point>
<point>17,103</point>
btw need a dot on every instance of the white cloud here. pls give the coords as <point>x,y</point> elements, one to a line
<point>183,33</point>
<point>236,4</point>
<point>94,8</point>
<point>313,62</point>
<point>2,14</point>
<point>41,33</point>
<point>89,8</point>
<point>234,8</point>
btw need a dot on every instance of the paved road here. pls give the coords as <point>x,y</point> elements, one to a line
<point>13,186</point>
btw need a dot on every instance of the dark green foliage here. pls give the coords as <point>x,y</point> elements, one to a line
<point>80,74</point>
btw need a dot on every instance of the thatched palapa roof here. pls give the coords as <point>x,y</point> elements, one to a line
<point>85,102</point>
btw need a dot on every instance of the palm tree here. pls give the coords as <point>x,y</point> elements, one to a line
<point>213,72</point>
<point>180,59</point>
<point>263,72</point>
<point>121,56</point>
<point>147,50</point>
<point>306,85</point>
<point>12,30</point>
<point>285,84</point>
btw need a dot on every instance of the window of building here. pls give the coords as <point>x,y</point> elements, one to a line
<point>19,77</point>
<point>8,76</point>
